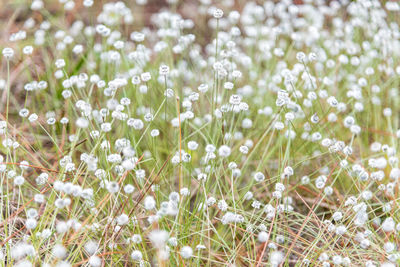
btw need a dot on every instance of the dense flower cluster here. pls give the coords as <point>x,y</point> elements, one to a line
<point>247,134</point>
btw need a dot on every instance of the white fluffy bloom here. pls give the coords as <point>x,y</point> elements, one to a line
<point>186,252</point>
<point>94,261</point>
<point>388,225</point>
<point>263,236</point>
<point>224,151</point>
<point>259,177</point>
<point>59,251</point>
<point>149,203</point>
<point>276,258</point>
<point>158,238</point>
<point>122,219</point>
<point>136,255</point>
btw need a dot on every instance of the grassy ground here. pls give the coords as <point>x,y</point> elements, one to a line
<point>175,134</point>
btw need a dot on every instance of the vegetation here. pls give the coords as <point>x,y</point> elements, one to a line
<point>200,133</point>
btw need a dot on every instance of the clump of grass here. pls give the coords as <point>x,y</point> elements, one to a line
<point>200,134</point>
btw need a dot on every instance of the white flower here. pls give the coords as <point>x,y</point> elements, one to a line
<point>186,252</point>
<point>300,56</point>
<point>27,50</point>
<point>218,13</point>
<point>91,247</point>
<point>395,174</point>
<point>8,53</point>
<point>164,70</point>
<point>158,238</point>
<point>388,225</point>
<point>136,255</point>
<point>224,151</point>
<point>129,189</point>
<point>31,223</point>
<point>259,177</point>
<point>137,124</point>
<point>203,88</point>
<point>59,251</point>
<point>149,203</point>
<point>122,219</point>
<point>82,122</point>
<point>263,236</point>
<point>276,258</point>
<point>337,216</point>
<point>94,261</point>
<point>222,205</point>
<point>192,145</point>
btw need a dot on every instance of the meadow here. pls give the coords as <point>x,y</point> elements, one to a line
<point>199,133</point>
